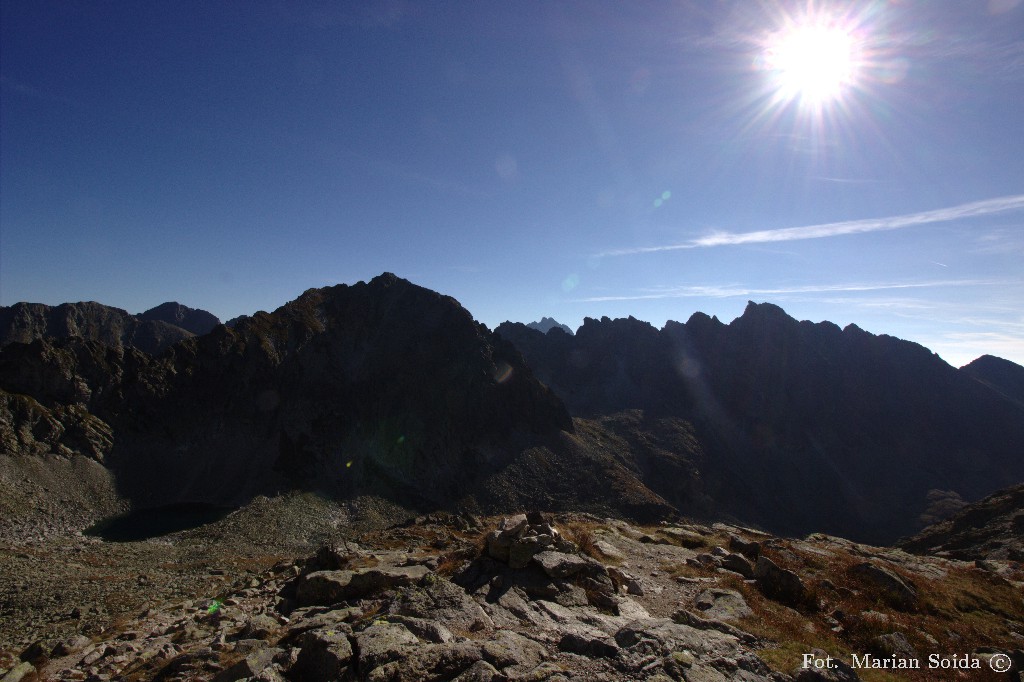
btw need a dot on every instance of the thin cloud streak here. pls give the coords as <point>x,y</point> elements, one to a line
<point>974,209</point>
<point>732,291</point>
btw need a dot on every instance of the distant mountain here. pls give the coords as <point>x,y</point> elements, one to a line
<point>381,388</point>
<point>198,322</point>
<point>992,528</point>
<point>1003,376</point>
<point>26,322</point>
<point>802,426</point>
<point>546,324</point>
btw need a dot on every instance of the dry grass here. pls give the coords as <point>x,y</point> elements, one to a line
<point>582,535</point>
<point>962,611</point>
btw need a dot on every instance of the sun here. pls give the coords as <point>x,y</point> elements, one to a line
<point>813,63</point>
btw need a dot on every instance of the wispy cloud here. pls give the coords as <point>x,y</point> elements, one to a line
<point>1004,240</point>
<point>727,291</point>
<point>974,209</point>
<point>849,181</point>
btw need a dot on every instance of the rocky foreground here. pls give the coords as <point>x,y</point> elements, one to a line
<point>528,597</point>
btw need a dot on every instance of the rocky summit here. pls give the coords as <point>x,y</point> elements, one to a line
<point>526,597</point>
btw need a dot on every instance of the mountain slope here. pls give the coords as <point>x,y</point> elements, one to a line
<point>804,426</point>
<point>992,528</point>
<point>381,388</point>
<point>26,322</point>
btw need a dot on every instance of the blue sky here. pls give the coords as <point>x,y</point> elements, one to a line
<point>568,159</point>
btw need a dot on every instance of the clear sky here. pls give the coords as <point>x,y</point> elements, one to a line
<point>850,161</point>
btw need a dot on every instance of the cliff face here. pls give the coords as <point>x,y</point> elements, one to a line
<point>26,322</point>
<point>804,426</point>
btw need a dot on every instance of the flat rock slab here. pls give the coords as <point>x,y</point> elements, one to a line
<point>721,604</point>
<point>462,661</point>
<point>330,587</point>
<point>684,537</point>
<point>382,643</point>
<point>609,550</point>
<point>559,565</point>
<point>510,649</point>
<point>893,588</point>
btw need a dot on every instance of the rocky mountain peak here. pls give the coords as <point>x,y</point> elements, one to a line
<point>1003,376</point>
<point>546,324</point>
<point>197,321</point>
<point>763,313</point>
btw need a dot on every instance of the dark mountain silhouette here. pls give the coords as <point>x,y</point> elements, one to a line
<point>1002,376</point>
<point>803,426</point>
<point>25,322</point>
<point>390,390</point>
<point>381,388</point>
<point>546,324</point>
<point>198,322</point>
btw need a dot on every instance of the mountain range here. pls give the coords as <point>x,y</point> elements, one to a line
<point>390,391</point>
<point>151,331</point>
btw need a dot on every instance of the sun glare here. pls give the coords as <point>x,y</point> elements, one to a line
<point>814,64</point>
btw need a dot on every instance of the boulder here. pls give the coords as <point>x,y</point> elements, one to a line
<point>442,602</point>
<point>894,644</point>
<point>510,649</point>
<point>559,565</point>
<point>325,654</point>
<point>382,643</point>
<point>522,550</point>
<point>258,627</point>
<point>722,604</point>
<point>23,671</point>
<point>685,538</point>
<point>250,666</point>
<point>481,671</point>
<point>330,587</point>
<point>779,584</point>
<point>608,550</point>
<point>738,564</point>
<point>748,548</point>
<point>897,591</point>
<point>591,647</point>
<point>434,662</point>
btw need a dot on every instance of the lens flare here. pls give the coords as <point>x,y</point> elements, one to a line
<point>503,372</point>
